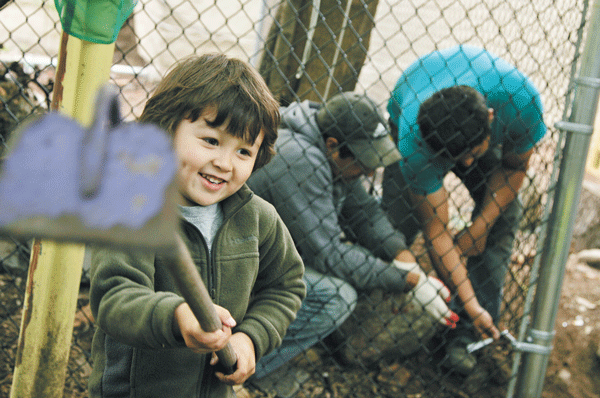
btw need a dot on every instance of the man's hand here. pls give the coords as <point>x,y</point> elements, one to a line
<point>197,339</point>
<point>246,360</point>
<point>482,320</point>
<point>431,293</point>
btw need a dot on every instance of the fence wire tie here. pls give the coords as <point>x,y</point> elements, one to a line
<point>543,349</point>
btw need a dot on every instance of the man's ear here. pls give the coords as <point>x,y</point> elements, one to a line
<point>331,144</point>
<point>491,114</point>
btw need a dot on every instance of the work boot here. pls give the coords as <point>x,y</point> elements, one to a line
<point>282,383</point>
<point>498,362</point>
<point>457,358</point>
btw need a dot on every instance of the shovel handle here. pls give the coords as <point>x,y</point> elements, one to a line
<point>195,294</point>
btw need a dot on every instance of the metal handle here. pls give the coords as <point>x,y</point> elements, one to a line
<point>517,345</point>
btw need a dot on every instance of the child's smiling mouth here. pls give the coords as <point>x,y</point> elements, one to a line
<point>212,179</point>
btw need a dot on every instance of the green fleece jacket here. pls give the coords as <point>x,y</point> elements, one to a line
<point>254,271</point>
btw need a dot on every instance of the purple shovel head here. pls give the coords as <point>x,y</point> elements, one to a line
<point>111,184</point>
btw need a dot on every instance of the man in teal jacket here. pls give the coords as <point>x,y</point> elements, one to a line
<point>468,111</point>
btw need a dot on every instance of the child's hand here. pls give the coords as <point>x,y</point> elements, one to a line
<point>246,360</point>
<point>197,339</point>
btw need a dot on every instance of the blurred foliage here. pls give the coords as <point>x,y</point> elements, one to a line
<point>21,95</point>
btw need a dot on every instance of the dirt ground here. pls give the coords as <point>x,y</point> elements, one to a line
<point>573,369</point>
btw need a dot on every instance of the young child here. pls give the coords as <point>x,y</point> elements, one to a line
<point>223,122</point>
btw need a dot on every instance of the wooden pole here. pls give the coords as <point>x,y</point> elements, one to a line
<point>55,268</point>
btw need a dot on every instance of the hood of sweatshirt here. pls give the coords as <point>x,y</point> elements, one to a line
<point>299,118</point>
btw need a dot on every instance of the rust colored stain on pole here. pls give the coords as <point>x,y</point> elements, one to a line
<point>35,253</point>
<point>60,73</point>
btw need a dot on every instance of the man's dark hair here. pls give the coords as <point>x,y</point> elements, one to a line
<point>454,120</point>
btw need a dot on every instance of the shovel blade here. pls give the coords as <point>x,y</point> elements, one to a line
<point>40,183</point>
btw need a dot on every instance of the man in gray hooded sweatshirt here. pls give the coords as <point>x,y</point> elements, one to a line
<point>341,232</point>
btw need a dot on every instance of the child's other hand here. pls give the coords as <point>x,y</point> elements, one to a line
<point>197,339</point>
<point>246,360</point>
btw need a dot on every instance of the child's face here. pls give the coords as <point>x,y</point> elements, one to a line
<point>213,164</point>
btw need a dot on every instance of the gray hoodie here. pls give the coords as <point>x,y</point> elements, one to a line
<point>319,211</point>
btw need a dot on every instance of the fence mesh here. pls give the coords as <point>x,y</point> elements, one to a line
<point>305,52</point>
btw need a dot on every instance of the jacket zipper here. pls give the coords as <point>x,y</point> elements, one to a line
<point>210,276</point>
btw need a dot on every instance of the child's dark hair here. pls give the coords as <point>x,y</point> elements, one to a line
<point>454,120</point>
<point>234,87</point>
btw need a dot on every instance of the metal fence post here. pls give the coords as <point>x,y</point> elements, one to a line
<point>560,228</point>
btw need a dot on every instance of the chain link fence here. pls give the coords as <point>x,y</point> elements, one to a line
<point>312,50</point>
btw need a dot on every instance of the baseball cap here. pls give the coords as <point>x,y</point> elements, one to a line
<point>354,119</point>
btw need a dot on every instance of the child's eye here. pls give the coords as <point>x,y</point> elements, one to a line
<point>244,152</point>
<point>211,141</point>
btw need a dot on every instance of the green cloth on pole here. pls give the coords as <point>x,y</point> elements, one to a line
<point>96,21</point>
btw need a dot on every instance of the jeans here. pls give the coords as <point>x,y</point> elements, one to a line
<point>486,271</point>
<point>329,301</point>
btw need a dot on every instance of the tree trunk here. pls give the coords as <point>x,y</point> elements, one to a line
<point>333,61</point>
